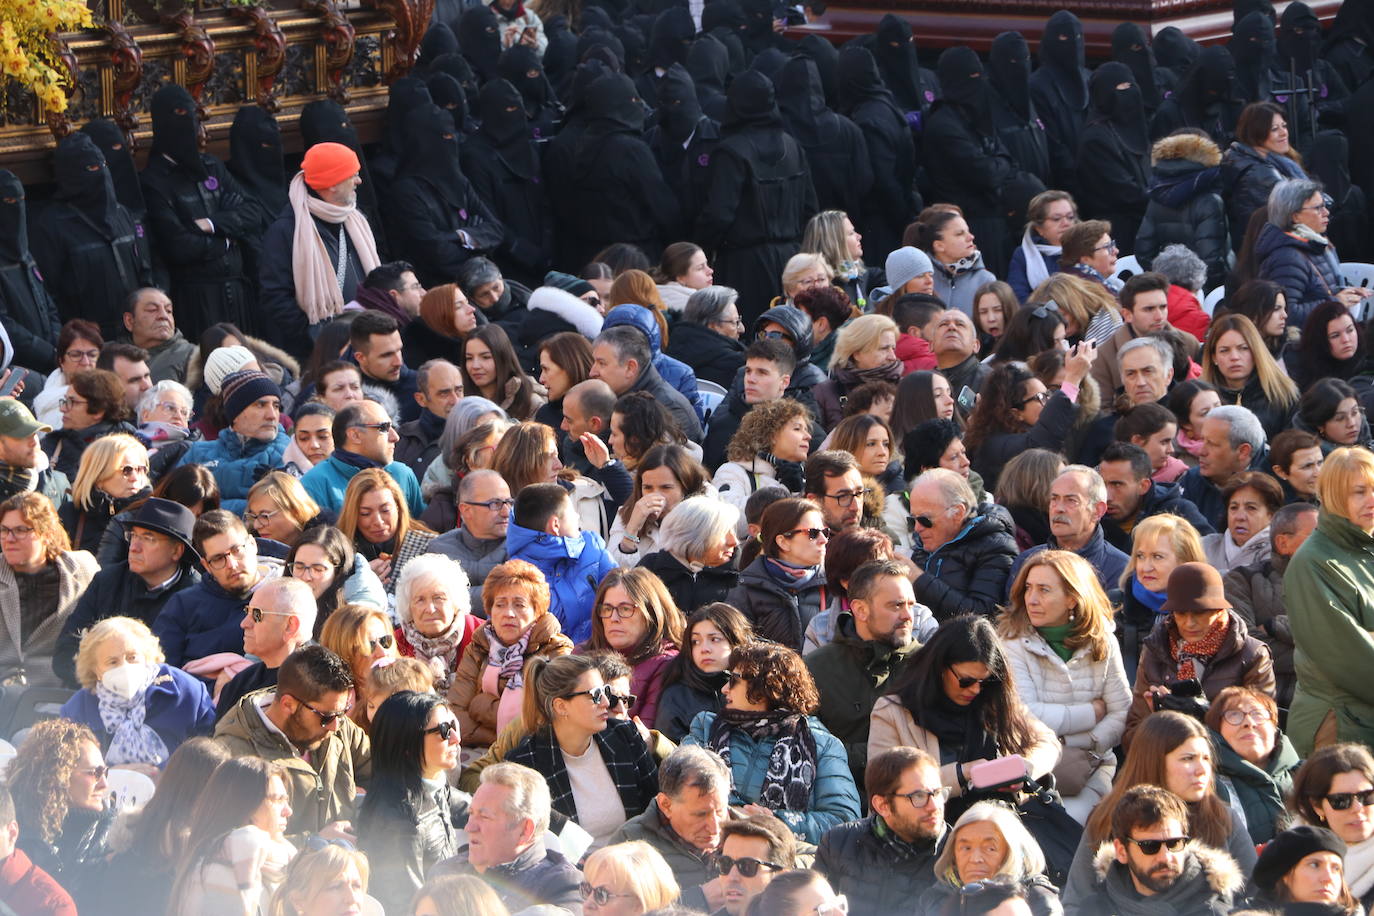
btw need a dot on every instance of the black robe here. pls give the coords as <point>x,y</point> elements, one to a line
<point>27,311</point>
<point>1132,48</point>
<point>669,41</point>
<point>110,139</point>
<point>683,140</point>
<point>1300,69</point>
<point>1205,100</point>
<point>894,49</point>
<point>256,162</point>
<point>520,66</point>
<point>758,199</point>
<point>1013,112</point>
<point>479,38</point>
<point>1059,88</point>
<point>405,95</point>
<point>432,202</point>
<point>1114,158</point>
<point>708,63</point>
<point>90,251</point>
<point>892,202</point>
<point>836,151</point>
<point>1252,49</point>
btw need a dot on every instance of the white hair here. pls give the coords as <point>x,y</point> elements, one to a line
<point>149,398</point>
<point>696,525</point>
<point>1024,856</point>
<point>436,566</point>
<point>1091,481</point>
<point>1245,427</point>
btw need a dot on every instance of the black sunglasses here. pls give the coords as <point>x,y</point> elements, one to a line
<point>596,695</point>
<point>602,895</point>
<point>965,682</point>
<point>923,520</point>
<point>1341,801</point>
<point>748,866</point>
<point>384,427</point>
<point>443,729</point>
<point>326,718</point>
<point>733,678</point>
<point>383,641</point>
<point>811,533</point>
<point>1044,311</point>
<point>625,700</point>
<point>1152,847</point>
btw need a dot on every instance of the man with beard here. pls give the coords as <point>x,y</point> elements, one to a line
<point>834,481</point>
<point>683,139</point>
<point>90,251</point>
<point>1059,89</point>
<point>27,309</point>
<point>1151,866</point>
<point>872,645</point>
<point>251,445</point>
<point>1114,154</point>
<point>151,325</point>
<point>1078,501</point>
<point>302,725</point>
<point>23,466</point>
<point>1132,496</point>
<point>884,862</point>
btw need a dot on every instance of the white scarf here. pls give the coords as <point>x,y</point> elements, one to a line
<point>1034,253</point>
<point>317,285</point>
<point>131,741</point>
<point>1359,866</point>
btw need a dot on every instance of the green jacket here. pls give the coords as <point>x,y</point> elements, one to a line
<point>1259,791</point>
<point>1329,592</point>
<point>323,785</point>
<point>851,673</point>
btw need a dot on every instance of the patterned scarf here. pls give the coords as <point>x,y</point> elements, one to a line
<point>131,741</point>
<point>439,652</point>
<point>509,660</point>
<point>897,848</point>
<point>1185,653</point>
<point>792,763</point>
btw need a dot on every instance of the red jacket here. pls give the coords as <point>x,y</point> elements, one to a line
<point>1186,314</point>
<point>915,353</point>
<point>30,891</point>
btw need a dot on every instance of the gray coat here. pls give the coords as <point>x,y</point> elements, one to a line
<point>33,658</point>
<point>1256,595</point>
<point>475,556</point>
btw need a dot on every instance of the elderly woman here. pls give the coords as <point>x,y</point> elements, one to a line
<point>865,351</point>
<point>1255,761</point>
<point>664,476</point>
<point>708,336</point>
<point>337,575</point>
<point>489,683</point>
<point>767,450</point>
<point>627,879</point>
<point>1090,252</point>
<point>804,270</point>
<point>1236,360</point>
<point>471,411</point>
<point>635,616</point>
<point>93,407</point>
<point>1201,640</point>
<point>784,588</point>
<point>1048,215</point>
<point>340,384</point>
<point>1331,408</point>
<point>1328,588</point>
<point>693,681</point>
<point>783,760</point>
<point>312,438</point>
<point>78,347</point>
<point>375,516</point>
<point>63,806</point>
<point>113,475</point>
<point>696,556</point>
<point>1058,633</point>
<point>1334,788</point>
<point>362,636</point>
<point>41,580</point>
<point>682,271</point>
<point>435,620</point>
<point>1294,253</point>
<point>1302,870</point>
<point>280,510</point>
<point>1251,500</point>
<point>988,841</point>
<point>139,708</point>
<point>164,414</point>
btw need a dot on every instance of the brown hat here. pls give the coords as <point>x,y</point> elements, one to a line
<point>1195,588</point>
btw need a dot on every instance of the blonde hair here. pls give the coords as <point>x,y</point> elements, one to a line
<point>133,630</point>
<point>863,333</point>
<point>634,868</point>
<point>287,492</point>
<point>1079,300</point>
<point>1341,470</point>
<point>1278,388</point>
<point>802,263</point>
<point>1181,534</point>
<point>1091,616</point>
<point>102,458</point>
<point>824,235</point>
<point>365,482</point>
<point>345,634</point>
<point>402,674</point>
<point>311,872</point>
<point>461,895</point>
<point>39,774</point>
<point>760,425</point>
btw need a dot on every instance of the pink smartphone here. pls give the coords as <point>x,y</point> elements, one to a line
<point>999,773</point>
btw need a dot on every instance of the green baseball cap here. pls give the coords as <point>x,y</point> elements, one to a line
<point>16,422</point>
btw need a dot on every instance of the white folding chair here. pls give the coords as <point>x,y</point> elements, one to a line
<point>1360,276</point>
<point>7,753</point>
<point>1126,267</point>
<point>131,789</point>
<point>1211,300</point>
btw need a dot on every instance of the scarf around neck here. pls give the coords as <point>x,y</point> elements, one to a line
<point>792,578</point>
<point>1055,637</point>
<point>792,762</point>
<point>439,652</point>
<point>1307,233</point>
<point>131,739</point>
<point>1152,600</point>
<point>314,273</point>
<point>1186,654</point>
<point>508,660</point>
<point>1033,249</point>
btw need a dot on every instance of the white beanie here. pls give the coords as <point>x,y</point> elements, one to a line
<point>224,361</point>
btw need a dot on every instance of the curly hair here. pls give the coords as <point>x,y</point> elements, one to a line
<point>1002,392</point>
<point>644,423</point>
<point>38,513</point>
<point>777,676</point>
<point>760,425</point>
<point>38,775</point>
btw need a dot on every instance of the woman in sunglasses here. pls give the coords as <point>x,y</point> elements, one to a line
<point>1174,752</point>
<point>410,818</point>
<point>989,843</point>
<point>957,701</point>
<point>627,879</point>
<point>325,560</point>
<point>360,634</point>
<point>784,588</point>
<point>587,757</point>
<point>1334,788</point>
<point>432,604</point>
<point>113,476</point>
<point>783,760</point>
<point>635,616</point>
<point>1255,761</point>
<point>140,708</point>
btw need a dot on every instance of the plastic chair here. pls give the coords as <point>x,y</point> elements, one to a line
<point>131,789</point>
<point>7,753</point>
<point>1210,301</point>
<point>36,704</point>
<point>1358,275</point>
<point>1127,267</point>
<point>709,388</point>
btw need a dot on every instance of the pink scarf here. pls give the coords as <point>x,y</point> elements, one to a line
<point>317,285</point>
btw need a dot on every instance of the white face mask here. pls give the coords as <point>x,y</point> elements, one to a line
<point>127,680</point>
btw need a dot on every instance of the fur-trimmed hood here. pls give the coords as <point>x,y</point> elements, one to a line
<point>265,353</point>
<point>1223,875</point>
<point>1186,146</point>
<point>571,309</point>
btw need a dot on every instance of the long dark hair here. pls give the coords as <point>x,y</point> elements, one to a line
<point>159,831</point>
<point>968,638</point>
<point>398,755</point>
<point>1315,360</point>
<point>233,793</point>
<point>688,472</point>
<point>733,625</point>
<point>340,551</point>
<point>1002,391</point>
<point>1257,300</point>
<point>507,367</point>
<point>1030,331</point>
<point>1320,402</point>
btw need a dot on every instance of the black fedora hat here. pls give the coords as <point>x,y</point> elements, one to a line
<point>166,517</point>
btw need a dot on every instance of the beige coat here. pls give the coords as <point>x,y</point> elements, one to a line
<point>474,708</point>
<point>33,657</point>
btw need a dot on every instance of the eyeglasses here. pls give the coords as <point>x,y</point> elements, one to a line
<point>748,866</point>
<point>773,335</point>
<point>258,613</point>
<point>919,798</point>
<point>1050,307</point>
<point>69,403</point>
<point>618,611</point>
<point>175,410</point>
<point>925,521</point>
<point>443,729</point>
<point>597,695</point>
<point>1238,716</point>
<point>1341,801</point>
<point>1110,246</point>
<point>326,718</point>
<point>812,534</point>
<point>384,427</point>
<point>625,701</point>
<point>253,518</point>
<point>493,505</point>
<point>97,773</point>
<point>146,538</point>
<point>18,533</point>
<point>219,560</point>
<point>845,497</point>
<point>82,355</point>
<point>413,288</point>
<point>1040,398</point>
<point>383,641</point>
<point>733,678</point>
<point>737,321</point>
<point>299,569</point>
<point>602,895</point>
<point>1152,847</point>
<point>965,682</point>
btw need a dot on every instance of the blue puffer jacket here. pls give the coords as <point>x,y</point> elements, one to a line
<point>834,799</point>
<point>674,372</point>
<point>177,706</point>
<point>237,463</point>
<point>1307,270</point>
<point>573,566</point>
<point>200,621</point>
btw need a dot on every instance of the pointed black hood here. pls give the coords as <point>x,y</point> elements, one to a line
<point>14,221</point>
<point>432,152</point>
<point>506,128</point>
<point>1123,109</point>
<point>176,129</point>
<point>520,66</point>
<point>1252,49</point>
<point>769,62</point>
<point>709,64</point>
<point>1009,69</point>
<point>1175,51</point>
<point>964,86</point>
<point>83,180</point>
<point>671,37</point>
<point>1328,160</point>
<point>255,156</point>
<point>613,108</point>
<point>750,104</point>
<point>679,110</point>
<point>457,66</point>
<point>445,92</point>
<point>1132,48</point>
<point>326,121</point>
<point>826,57</point>
<point>801,99</point>
<point>1299,38</point>
<point>560,57</point>
<point>438,41</point>
<point>592,39</point>
<point>110,138</point>
<point>636,56</point>
<point>894,49</point>
<point>1062,56</point>
<point>480,40</point>
<point>858,80</point>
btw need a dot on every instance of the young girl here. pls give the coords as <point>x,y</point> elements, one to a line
<point>1153,428</point>
<point>693,680</point>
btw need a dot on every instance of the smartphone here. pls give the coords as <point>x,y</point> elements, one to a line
<point>967,399</point>
<point>1000,773</point>
<point>17,375</point>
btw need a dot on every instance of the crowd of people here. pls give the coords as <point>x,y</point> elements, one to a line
<point>548,509</point>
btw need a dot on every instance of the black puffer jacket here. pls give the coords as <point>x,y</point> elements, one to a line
<point>691,589</point>
<point>402,846</point>
<point>1246,180</point>
<point>1041,896</point>
<point>777,613</point>
<point>712,356</point>
<point>1056,420</point>
<point>968,575</point>
<point>1185,205</point>
<point>852,855</point>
